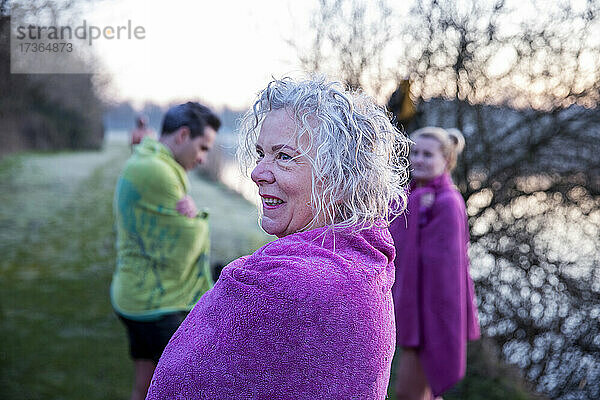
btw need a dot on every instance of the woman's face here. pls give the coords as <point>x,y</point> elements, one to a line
<point>284,181</point>
<point>426,159</point>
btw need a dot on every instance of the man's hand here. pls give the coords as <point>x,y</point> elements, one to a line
<point>186,207</point>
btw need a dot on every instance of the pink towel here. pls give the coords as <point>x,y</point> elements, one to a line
<point>433,294</point>
<point>308,316</point>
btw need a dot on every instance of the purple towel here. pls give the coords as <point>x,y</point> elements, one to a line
<point>307,316</point>
<point>433,294</point>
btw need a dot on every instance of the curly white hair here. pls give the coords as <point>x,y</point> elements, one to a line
<point>360,166</point>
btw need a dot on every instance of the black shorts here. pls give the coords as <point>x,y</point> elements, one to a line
<point>147,340</point>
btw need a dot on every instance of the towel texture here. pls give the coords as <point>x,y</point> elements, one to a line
<point>307,316</point>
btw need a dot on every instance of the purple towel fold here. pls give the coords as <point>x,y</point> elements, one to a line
<point>307,316</point>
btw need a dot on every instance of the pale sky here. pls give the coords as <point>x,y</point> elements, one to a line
<point>222,52</point>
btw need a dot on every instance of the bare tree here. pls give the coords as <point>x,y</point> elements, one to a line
<point>349,42</point>
<point>45,111</point>
<point>523,84</point>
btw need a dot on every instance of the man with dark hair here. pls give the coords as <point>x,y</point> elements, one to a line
<point>162,241</point>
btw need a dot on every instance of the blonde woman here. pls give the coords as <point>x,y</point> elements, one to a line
<point>433,292</point>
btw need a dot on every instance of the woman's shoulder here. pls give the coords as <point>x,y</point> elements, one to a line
<point>449,202</point>
<point>293,251</point>
<point>449,196</point>
<point>315,257</point>
<point>284,272</point>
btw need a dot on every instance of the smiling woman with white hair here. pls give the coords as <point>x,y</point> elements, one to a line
<point>309,315</point>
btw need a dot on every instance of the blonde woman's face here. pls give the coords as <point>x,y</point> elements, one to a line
<point>284,178</point>
<point>426,159</point>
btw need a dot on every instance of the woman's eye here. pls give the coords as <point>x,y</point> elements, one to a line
<point>284,156</point>
<point>259,155</point>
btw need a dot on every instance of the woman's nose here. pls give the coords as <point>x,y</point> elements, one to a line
<point>262,173</point>
<point>415,158</point>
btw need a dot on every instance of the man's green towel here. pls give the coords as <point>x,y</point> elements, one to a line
<point>162,257</point>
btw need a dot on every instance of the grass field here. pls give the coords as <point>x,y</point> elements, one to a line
<point>59,337</point>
